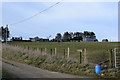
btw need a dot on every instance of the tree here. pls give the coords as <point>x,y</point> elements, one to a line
<point>4,33</point>
<point>92,33</point>
<point>105,40</point>
<point>78,36</point>
<point>72,34</point>
<point>58,37</point>
<point>67,36</point>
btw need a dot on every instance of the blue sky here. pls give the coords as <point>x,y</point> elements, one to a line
<point>99,17</point>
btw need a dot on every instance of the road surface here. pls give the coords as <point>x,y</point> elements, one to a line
<point>20,70</point>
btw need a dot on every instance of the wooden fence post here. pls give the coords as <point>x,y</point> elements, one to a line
<point>55,51</point>
<point>80,57</point>
<point>64,53</point>
<point>85,58</point>
<point>110,58</point>
<point>68,53</point>
<point>51,51</point>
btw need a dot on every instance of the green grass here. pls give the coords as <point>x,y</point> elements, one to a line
<point>98,49</point>
<point>90,46</point>
<point>97,52</point>
<point>73,45</point>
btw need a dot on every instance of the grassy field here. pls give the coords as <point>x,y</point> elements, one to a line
<point>90,46</point>
<point>96,52</point>
<point>98,49</point>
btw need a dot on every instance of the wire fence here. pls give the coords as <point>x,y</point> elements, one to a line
<point>81,57</point>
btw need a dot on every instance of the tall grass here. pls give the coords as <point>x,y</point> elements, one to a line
<point>94,49</point>
<point>96,52</point>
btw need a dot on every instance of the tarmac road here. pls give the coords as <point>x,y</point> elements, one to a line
<point>20,70</point>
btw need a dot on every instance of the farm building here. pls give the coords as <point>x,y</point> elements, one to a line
<point>19,39</point>
<point>16,39</point>
<point>34,39</point>
<point>89,36</point>
<point>38,39</point>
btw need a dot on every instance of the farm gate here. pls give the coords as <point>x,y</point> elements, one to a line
<point>117,57</point>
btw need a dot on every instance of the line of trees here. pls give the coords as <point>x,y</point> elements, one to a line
<point>4,33</point>
<point>66,37</point>
<point>76,36</point>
